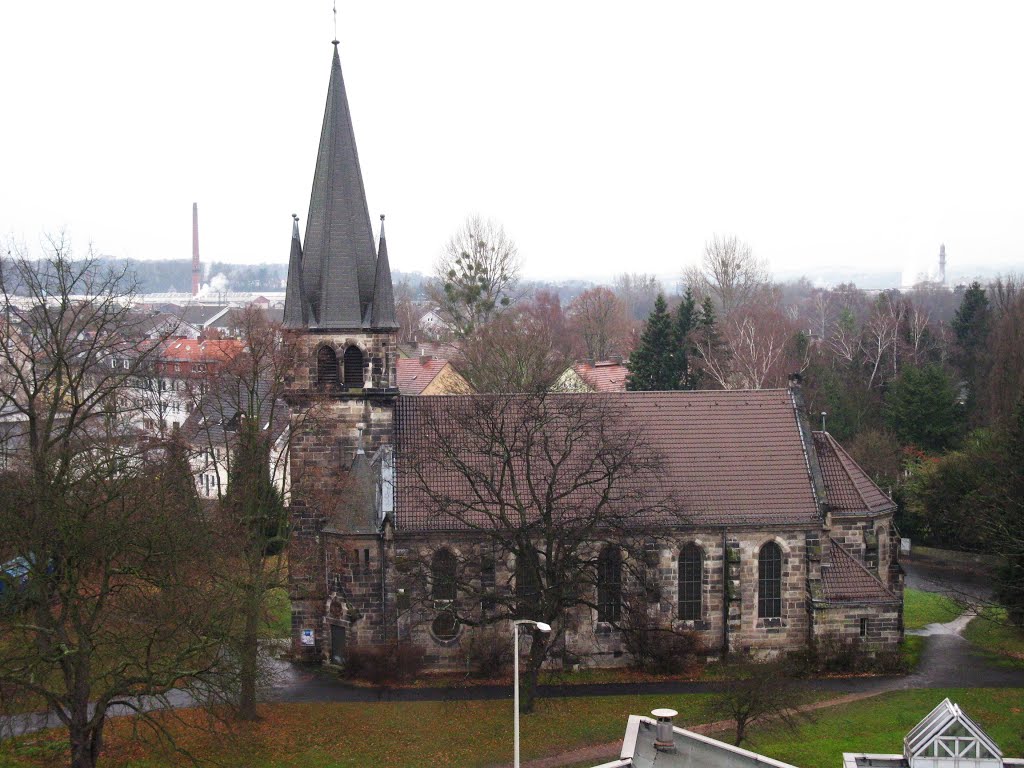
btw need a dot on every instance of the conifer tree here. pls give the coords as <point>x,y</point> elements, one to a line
<point>685,323</point>
<point>652,365</point>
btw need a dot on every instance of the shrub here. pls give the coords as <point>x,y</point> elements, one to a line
<point>396,661</point>
<point>830,654</point>
<point>662,651</point>
<point>487,653</point>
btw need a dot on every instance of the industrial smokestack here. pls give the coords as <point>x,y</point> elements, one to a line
<point>942,263</point>
<point>196,271</point>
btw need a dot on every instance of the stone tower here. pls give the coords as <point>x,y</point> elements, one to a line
<point>340,319</point>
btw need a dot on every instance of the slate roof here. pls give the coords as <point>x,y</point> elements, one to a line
<point>216,419</point>
<point>201,315</point>
<point>729,457</point>
<point>415,373</point>
<point>338,257</point>
<point>604,376</point>
<point>850,490</point>
<point>845,580</point>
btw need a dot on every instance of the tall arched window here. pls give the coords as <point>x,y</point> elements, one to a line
<point>353,362</point>
<point>691,578</point>
<point>326,368</point>
<point>609,584</point>
<point>769,582</point>
<point>442,576</point>
<point>527,585</point>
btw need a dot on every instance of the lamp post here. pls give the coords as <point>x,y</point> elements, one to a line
<point>515,671</point>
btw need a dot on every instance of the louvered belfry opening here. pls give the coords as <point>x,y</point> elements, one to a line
<point>326,368</point>
<point>353,373</point>
<point>769,582</point>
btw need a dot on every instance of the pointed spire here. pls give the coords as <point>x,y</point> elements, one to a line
<point>295,311</point>
<point>384,315</point>
<point>339,264</point>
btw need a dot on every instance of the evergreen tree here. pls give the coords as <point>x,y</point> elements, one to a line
<point>652,365</point>
<point>971,326</point>
<point>685,323</point>
<point>921,408</point>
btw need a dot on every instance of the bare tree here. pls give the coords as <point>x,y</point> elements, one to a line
<point>242,421</point>
<point>105,522</point>
<point>516,352</point>
<point>405,311</point>
<point>545,485</point>
<point>728,271</point>
<point>598,319</point>
<point>477,274</point>
<point>758,692</point>
<point>756,347</point>
<point>880,335</point>
<point>637,291</point>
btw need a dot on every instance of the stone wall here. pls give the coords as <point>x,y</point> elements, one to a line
<point>875,627</point>
<point>326,426</point>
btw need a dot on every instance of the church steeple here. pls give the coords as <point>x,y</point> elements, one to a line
<point>296,313</point>
<point>383,315</point>
<point>338,263</point>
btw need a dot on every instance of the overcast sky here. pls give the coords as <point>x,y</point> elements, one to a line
<point>604,136</point>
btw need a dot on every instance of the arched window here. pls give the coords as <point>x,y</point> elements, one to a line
<point>442,576</point>
<point>353,368</point>
<point>609,585</point>
<point>527,585</point>
<point>691,578</point>
<point>769,582</point>
<point>326,368</point>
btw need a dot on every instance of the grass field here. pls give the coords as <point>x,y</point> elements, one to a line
<point>479,733</point>
<point>991,632</point>
<point>923,608</point>
<point>474,733</point>
<point>879,724</point>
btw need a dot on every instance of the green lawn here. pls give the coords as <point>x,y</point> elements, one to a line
<point>923,608</point>
<point>278,620</point>
<point>471,733</point>
<point>991,632</point>
<point>879,724</point>
<point>478,733</point>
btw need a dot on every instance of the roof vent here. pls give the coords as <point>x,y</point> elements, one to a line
<point>664,737</point>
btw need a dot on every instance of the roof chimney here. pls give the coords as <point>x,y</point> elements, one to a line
<point>664,736</point>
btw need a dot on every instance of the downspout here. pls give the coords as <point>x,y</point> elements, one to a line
<point>725,595</point>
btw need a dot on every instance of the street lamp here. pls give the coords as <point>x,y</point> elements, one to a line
<point>515,666</point>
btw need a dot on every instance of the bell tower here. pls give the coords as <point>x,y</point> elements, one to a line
<point>339,320</point>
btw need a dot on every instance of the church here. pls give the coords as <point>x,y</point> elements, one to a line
<point>767,535</point>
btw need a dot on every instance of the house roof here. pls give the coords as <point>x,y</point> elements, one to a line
<point>196,351</point>
<point>214,422</point>
<point>201,315</point>
<point>416,373</point>
<point>850,490</point>
<point>603,376</point>
<point>845,580</point>
<point>728,457</point>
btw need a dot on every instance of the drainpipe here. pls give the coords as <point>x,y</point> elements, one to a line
<point>725,594</point>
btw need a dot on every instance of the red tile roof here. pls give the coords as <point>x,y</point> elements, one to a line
<point>196,351</point>
<point>415,373</point>
<point>845,580</point>
<point>850,490</point>
<point>728,458</point>
<point>605,376</point>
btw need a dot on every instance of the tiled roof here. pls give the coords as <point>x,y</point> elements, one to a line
<point>416,373</point>
<point>728,458</point>
<point>605,376</point>
<point>845,580</point>
<point>849,488</point>
<point>195,351</point>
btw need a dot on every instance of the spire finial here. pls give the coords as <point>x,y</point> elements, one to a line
<point>334,10</point>
<point>382,217</point>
